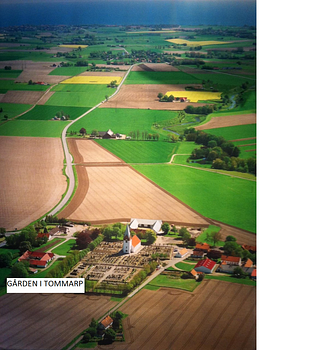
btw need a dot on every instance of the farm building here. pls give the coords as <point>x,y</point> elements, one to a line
<point>180,254</point>
<point>154,225</point>
<point>231,260</point>
<point>131,244</point>
<point>198,254</point>
<point>42,235</point>
<point>248,267</point>
<point>204,247</point>
<point>195,273</point>
<point>251,249</point>
<point>38,259</point>
<point>254,275</point>
<point>206,266</point>
<point>106,323</point>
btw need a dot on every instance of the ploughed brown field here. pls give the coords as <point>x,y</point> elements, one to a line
<point>24,97</point>
<point>47,321</point>
<point>110,191</point>
<point>145,96</point>
<point>217,315</point>
<point>154,67</point>
<point>230,120</point>
<point>31,181</point>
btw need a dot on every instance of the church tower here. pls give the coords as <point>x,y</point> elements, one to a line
<point>127,241</point>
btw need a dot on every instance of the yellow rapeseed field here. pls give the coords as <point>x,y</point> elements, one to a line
<point>74,46</point>
<point>195,96</point>
<point>91,80</point>
<point>195,43</point>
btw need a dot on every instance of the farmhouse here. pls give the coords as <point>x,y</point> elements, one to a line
<point>198,254</point>
<point>204,247</point>
<point>106,323</point>
<point>181,253</point>
<point>154,225</point>
<point>38,259</point>
<point>206,266</point>
<point>231,260</point>
<point>131,244</point>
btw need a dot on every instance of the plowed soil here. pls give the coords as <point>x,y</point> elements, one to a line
<point>231,120</point>
<point>217,315</point>
<point>47,321</point>
<point>154,67</point>
<point>144,96</point>
<point>112,191</point>
<point>25,97</point>
<point>31,181</point>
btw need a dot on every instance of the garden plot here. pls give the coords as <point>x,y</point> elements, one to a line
<point>32,183</point>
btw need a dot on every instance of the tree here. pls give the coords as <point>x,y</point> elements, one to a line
<point>6,259</point>
<point>230,239</point>
<point>232,248</point>
<point>150,236</point>
<point>2,231</point>
<point>166,227</point>
<point>160,95</point>
<point>94,133</point>
<point>182,231</point>
<point>6,117</point>
<point>83,131</point>
<point>24,246</point>
<point>83,240</point>
<point>109,335</point>
<point>87,337</point>
<point>239,273</point>
<point>186,237</point>
<point>19,270</point>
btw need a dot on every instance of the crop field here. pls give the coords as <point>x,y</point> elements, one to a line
<point>65,315</point>
<point>161,78</point>
<point>83,79</point>
<point>34,128</point>
<point>107,193</point>
<point>74,46</point>
<point>22,97</point>
<point>9,74</point>
<point>31,183</point>
<point>195,96</point>
<point>140,151</point>
<point>48,112</point>
<point>224,198</point>
<point>144,96</point>
<point>77,99</point>
<point>122,121</point>
<point>217,315</point>
<point>6,85</point>
<point>228,121</point>
<point>196,43</point>
<point>235,132</point>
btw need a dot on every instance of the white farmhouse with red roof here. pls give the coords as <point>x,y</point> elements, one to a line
<point>131,244</point>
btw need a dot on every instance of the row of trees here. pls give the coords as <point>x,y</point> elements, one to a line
<point>144,135</point>
<point>25,240</point>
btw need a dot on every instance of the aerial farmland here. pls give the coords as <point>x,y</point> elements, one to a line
<point>101,125</point>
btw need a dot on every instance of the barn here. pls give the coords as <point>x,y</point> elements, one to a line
<point>206,266</point>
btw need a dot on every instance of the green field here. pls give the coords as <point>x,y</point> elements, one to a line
<point>203,237</point>
<point>91,88</point>
<point>34,128</point>
<point>223,198</point>
<point>141,151</point>
<point>48,112</point>
<point>77,99</point>
<point>64,248</point>
<point>68,71</point>
<point>162,78</point>
<point>9,73</point>
<point>184,267</point>
<point>174,282</point>
<point>6,85</point>
<point>234,132</point>
<point>122,120</point>
<point>12,109</point>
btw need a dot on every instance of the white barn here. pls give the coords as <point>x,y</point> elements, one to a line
<point>154,225</point>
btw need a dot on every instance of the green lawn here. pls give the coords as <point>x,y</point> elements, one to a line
<point>48,112</point>
<point>33,128</point>
<point>122,120</point>
<point>203,237</point>
<point>162,78</point>
<point>141,151</point>
<point>64,248</point>
<point>184,267</point>
<point>223,198</point>
<point>174,282</point>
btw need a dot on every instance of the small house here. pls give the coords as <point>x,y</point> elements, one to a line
<point>198,254</point>
<point>181,253</point>
<point>204,247</point>
<point>106,323</point>
<point>253,275</point>
<point>231,260</point>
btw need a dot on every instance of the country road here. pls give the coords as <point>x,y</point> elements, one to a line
<point>68,156</point>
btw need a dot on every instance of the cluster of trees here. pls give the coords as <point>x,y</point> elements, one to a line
<point>113,232</point>
<point>144,135</point>
<point>6,259</point>
<point>182,232</point>
<point>207,109</point>
<point>148,235</point>
<point>25,240</point>
<point>218,152</point>
<point>89,239</point>
<point>112,84</point>
<point>165,98</point>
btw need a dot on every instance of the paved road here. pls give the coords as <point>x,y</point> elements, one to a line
<point>68,156</point>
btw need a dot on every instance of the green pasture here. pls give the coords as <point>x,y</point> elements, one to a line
<point>162,78</point>
<point>14,73</point>
<point>68,71</point>
<point>33,128</point>
<point>77,99</point>
<point>44,112</point>
<point>122,120</point>
<point>64,248</point>
<point>12,109</point>
<point>140,151</point>
<point>234,132</point>
<point>227,199</point>
<point>174,282</point>
<point>91,88</point>
<point>6,85</point>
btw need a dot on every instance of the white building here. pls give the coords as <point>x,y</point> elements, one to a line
<point>131,244</point>
<point>154,225</point>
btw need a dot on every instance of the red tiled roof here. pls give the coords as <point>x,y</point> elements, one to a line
<point>249,263</point>
<point>207,263</point>
<point>230,258</point>
<point>249,247</point>
<point>202,246</point>
<point>42,235</point>
<point>135,241</point>
<point>198,253</point>
<point>38,262</point>
<point>253,273</point>
<point>107,321</point>
<point>183,251</point>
